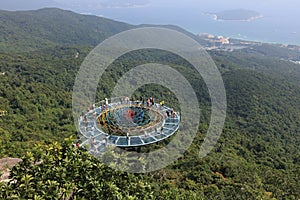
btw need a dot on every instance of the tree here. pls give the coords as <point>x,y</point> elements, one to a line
<point>66,172</point>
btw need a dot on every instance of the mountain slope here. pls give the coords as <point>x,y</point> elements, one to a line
<point>256,157</point>
<point>23,31</point>
<point>31,30</point>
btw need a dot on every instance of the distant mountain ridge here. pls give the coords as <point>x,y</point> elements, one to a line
<point>27,4</point>
<point>83,6</point>
<point>30,30</point>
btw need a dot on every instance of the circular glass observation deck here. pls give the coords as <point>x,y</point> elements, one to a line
<point>125,123</point>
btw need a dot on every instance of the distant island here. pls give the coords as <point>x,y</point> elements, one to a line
<point>237,15</point>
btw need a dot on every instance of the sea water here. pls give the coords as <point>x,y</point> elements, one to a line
<point>276,25</point>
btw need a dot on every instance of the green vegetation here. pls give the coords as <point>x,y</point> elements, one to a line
<point>256,157</point>
<point>31,30</point>
<point>65,172</point>
<point>238,14</point>
<point>266,59</point>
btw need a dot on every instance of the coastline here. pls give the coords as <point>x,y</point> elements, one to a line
<point>241,20</point>
<point>217,18</point>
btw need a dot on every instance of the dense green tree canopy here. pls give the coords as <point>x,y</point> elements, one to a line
<point>66,172</point>
<point>256,157</point>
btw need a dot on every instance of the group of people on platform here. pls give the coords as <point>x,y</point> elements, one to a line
<point>170,113</point>
<point>142,101</point>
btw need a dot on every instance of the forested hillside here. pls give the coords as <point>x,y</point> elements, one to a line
<point>256,157</point>
<point>23,31</point>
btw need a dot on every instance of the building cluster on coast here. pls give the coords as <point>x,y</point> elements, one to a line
<point>224,43</point>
